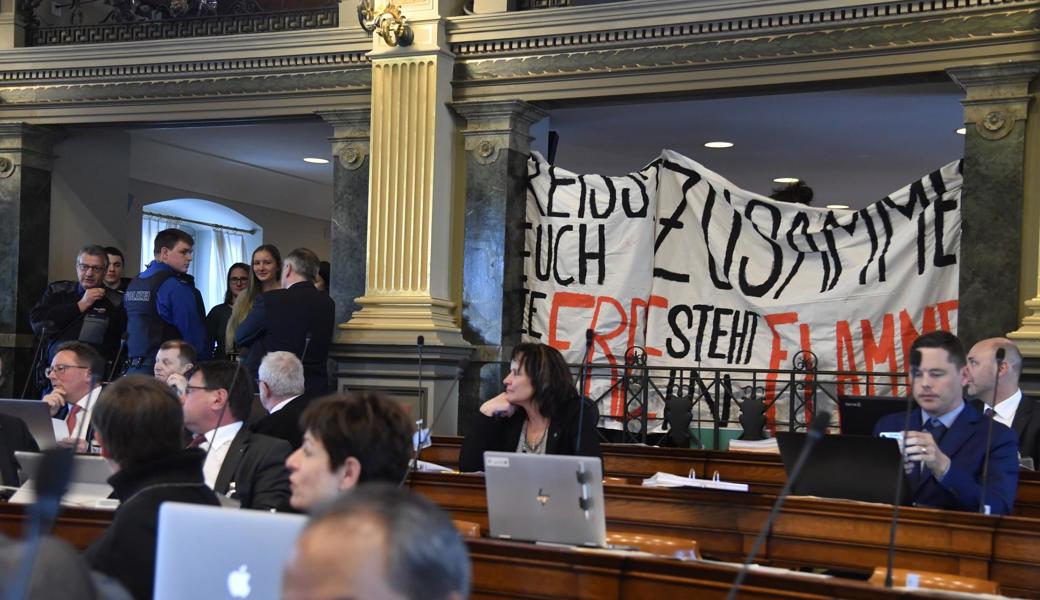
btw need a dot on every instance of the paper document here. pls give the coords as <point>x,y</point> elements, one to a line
<point>767,446</point>
<point>660,479</point>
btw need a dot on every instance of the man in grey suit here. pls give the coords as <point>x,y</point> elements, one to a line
<point>989,380</point>
<point>242,465</point>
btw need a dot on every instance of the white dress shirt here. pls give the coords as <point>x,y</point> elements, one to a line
<point>220,438</point>
<point>1007,408</point>
<point>86,405</point>
<point>281,405</point>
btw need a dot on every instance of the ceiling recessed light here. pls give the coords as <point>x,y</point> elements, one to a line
<point>961,131</point>
<point>719,145</point>
<point>838,206</point>
<point>316,161</point>
<point>786,180</point>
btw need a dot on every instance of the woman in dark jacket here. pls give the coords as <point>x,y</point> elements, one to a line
<point>539,413</point>
<point>138,422</point>
<point>218,317</point>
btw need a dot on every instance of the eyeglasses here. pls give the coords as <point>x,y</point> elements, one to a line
<point>239,280</point>
<point>190,388</point>
<point>84,268</point>
<point>61,369</point>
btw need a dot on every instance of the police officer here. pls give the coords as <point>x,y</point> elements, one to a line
<point>162,303</point>
<point>83,310</point>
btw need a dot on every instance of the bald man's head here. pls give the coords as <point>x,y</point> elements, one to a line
<point>988,378</point>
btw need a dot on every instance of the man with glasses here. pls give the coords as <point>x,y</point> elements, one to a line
<point>162,303</point>
<point>83,310</point>
<point>242,465</point>
<point>75,374</point>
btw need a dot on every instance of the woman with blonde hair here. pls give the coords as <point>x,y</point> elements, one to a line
<point>267,276</point>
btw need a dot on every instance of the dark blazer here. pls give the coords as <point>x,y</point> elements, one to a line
<point>965,444</point>
<point>14,436</point>
<point>1027,425</point>
<point>281,320</point>
<point>126,551</point>
<point>285,424</point>
<point>255,466</point>
<point>502,434</point>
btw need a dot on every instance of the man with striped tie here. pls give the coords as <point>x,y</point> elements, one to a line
<point>75,373</point>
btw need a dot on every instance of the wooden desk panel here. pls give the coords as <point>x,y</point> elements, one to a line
<point>78,526</point>
<point>809,532</point>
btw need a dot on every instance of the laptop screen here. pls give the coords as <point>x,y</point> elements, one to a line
<point>859,414</point>
<point>545,498</point>
<point>852,467</point>
<point>243,554</point>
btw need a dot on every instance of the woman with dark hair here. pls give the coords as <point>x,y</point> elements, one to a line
<point>539,413</point>
<point>218,317</point>
<point>267,276</point>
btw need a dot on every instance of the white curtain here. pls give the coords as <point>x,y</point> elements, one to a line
<point>150,226</point>
<point>229,247</point>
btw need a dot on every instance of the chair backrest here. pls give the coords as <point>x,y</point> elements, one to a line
<point>935,581</point>
<point>467,529</point>
<point>667,546</point>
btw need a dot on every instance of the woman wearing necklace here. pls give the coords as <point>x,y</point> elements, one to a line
<point>538,413</point>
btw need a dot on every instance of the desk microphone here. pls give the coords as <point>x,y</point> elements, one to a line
<point>119,355</point>
<point>306,344</point>
<point>816,431</point>
<point>420,343</point>
<point>915,364</point>
<point>436,419</point>
<point>582,371</point>
<point>989,437</point>
<point>45,329</point>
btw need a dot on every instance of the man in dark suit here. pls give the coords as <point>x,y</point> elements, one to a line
<point>281,393</point>
<point>14,437</point>
<point>297,318</point>
<point>945,446</point>
<point>995,386</point>
<point>242,465</point>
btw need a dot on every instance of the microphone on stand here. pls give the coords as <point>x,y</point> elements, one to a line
<point>816,431</point>
<point>915,364</point>
<point>420,342</point>
<point>306,344</point>
<point>119,355</point>
<point>989,437</point>
<point>590,335</point>
<point>45,329</point>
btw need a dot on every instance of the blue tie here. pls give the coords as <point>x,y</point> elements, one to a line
<point>936,428</point>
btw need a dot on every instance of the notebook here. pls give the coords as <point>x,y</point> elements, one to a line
<point>852,467</point>
<point>36,415</point>
<point>545,498</point>
<point>88,486</point>
<point>214,552</point>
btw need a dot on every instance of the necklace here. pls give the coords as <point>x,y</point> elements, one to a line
<point>538,447</point>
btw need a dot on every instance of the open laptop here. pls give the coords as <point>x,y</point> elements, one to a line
<point>853,467</point>
<point>228,553</point>
<point>36,415</point>
<point>88,487</point>
<point>857,415</point>
<point>545,498</point>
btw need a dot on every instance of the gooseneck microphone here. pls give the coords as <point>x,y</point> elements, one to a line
<point>306,344</point>
<point>989,436</point>
<point>119,355</point>
<point>817,429</point>
<point>582,371</point>
<point>915,365</point>
<point>45,329</point>
<point>420,343</point>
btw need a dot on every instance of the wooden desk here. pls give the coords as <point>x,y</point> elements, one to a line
<point>810,532</point>
<point>504,569</point>
<point>77,526</point>
<point>764,473</point>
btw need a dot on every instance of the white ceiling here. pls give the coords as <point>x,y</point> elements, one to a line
<point>851,146</point>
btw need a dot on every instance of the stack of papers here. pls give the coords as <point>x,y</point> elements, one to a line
<point>767,446</point>
<point>668,480</point>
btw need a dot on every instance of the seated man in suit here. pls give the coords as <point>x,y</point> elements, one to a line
<point>281,393</point>
<point>379,542</point>
<point>946,442</point>
<point>297,318</point>
<point>348,440</point>
<point>172,361</point>
<point>989,381</point>
<point>242,465</point>
<point>76,373</point>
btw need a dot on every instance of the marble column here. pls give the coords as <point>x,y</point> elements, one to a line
<point>350,150</point>
<point>14,17</point>
<point>25,216</point>
<point>497,143</point>
<point>995,109</point>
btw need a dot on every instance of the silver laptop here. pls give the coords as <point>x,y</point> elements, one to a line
<point>230,553</point>
<point>36,415</point>
<point>88,486</point>
<point>545,498</point>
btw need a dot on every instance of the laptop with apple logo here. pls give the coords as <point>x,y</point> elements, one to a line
<point>215,552</point>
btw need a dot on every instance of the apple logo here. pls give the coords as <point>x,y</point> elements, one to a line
<point>238,582</point>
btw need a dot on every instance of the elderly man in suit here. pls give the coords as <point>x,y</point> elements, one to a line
<point>242,465</point>
<point>297,318</point>
<point>995,385</point>
<point>282,394</point>
<point>946,441</point>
